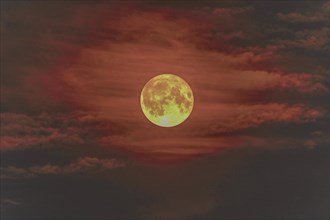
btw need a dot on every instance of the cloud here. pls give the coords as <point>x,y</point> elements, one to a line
<point>321,15</point>
<point>81,165</point>
<point>206,132</point>
<point>90,163</point>
<point>316,139</point>
<point>248,116</point>
<point>231,11</point>
<point>295,17</point>
<point>315,39</point>
<point>76,128</point>
<point>20,131</point>
<point>6,203</point>
<point>202,136</point>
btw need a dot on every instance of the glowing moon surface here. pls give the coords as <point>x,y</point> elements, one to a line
<point>167,100</point>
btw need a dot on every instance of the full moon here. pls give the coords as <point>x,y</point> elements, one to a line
<point>167,100</point>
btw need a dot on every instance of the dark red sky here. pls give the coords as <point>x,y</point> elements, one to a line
<point>71,77</point>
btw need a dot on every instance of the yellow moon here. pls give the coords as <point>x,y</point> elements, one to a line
<point>167,100</point>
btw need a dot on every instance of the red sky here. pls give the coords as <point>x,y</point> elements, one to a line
<point>72,74</point>
<point>100,76</point>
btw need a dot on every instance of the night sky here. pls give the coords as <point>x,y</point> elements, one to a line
<point>75,143</point>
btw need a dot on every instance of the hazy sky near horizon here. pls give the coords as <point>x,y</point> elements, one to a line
<point>75,143</point>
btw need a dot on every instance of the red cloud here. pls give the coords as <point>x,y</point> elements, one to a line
<point>81,165</point>
<point>204,135</point>
<point>19,131</point>
<point>247,116</point>
<point>309,39</point>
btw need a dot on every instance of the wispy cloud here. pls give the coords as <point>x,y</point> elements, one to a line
<point>315,39</point>
<point>81,165</point>
<point>21,131</point>
<point>8,203</point>
<point>321,15</point>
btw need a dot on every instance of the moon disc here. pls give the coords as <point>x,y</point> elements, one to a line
<point>167,100</point>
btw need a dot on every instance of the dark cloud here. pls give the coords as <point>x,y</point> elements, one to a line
<point>8,203</point>
<point>321,15</point>
<point>24,131</point>
<point>80,165</point>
